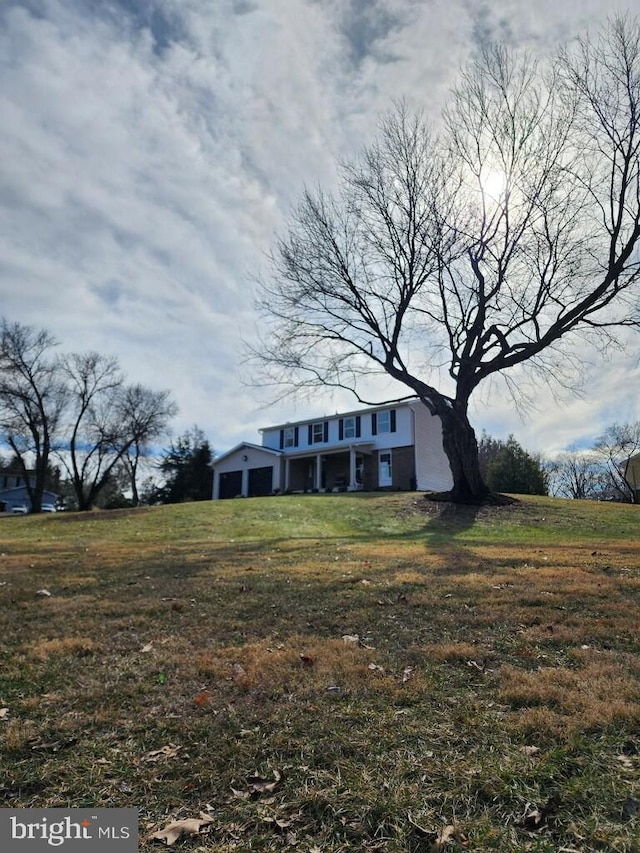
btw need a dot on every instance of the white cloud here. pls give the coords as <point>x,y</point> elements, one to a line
<point>150,150</point>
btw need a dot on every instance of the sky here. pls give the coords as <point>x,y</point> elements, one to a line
<point>151,150</point>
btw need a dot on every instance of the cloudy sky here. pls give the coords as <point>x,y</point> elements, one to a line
<point>150,150</point>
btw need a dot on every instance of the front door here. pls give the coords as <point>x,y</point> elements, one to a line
<point>384,470</point>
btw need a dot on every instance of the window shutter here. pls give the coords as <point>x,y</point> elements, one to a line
<point>374,423</point>
<point>340,429</point>
<point>281,439</point>
<point>326,431</point>
<point>357,426</point>
<point>392,420</point>
<point>296,435</point>
<point>310,438</point>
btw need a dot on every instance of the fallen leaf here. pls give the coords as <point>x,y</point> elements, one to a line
<point>375,668</point>
<point>351,638</point>
<point>146,648</point>
<point>169,751</point>
<point>44,592</point>
<point>241,795</point>
<point>4,713</point>
<point>407,674</point>
<point>259,785</point>
<point>238,673</point>
<point>179,828</point>
<point>202,698</point>
<point>530,750</point>
<point>447,834</point>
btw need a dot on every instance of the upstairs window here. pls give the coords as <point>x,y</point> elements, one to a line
<point>383,421</point>
<point>288,437</point>
<point>349,428</point>
<point>319,433</point>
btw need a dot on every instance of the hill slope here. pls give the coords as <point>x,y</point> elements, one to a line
<point>344,672</point>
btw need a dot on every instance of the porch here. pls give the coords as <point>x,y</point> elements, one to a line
<point>348,470</point>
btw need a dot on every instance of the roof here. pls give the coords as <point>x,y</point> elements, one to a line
<point>250,446</point>
<point>391,405</point>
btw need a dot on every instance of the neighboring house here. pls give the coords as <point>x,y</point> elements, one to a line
<point>14,494</point>
<point>632,475</point>
<point>386,447</point>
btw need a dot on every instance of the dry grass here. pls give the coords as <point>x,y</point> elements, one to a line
<point>385,667</point>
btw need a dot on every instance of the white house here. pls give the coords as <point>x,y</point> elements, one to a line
<point>383,447</point>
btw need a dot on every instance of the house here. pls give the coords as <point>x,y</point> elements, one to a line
<point>383,447</point>
<point>631,474</point>
<point>14,495</point>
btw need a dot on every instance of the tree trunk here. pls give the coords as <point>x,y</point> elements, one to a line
<point>460,445</point>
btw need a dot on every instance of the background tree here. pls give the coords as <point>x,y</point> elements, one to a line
<point>110,424</point>
<point>614,448</point>
<point>490,249</point>
<point>187,467</point>
<point>507,467</point>
<point>579,475</point>
<point>145,416</point>
<point>32,399</point>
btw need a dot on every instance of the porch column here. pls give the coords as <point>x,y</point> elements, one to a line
<point>318,472</point>
<point>352,470</point>
<point>287,474</point>
<point>244,491</point>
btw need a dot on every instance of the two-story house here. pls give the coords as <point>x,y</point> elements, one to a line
<point>384,447</point>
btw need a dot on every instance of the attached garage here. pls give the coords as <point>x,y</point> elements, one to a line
<point>260,481</point>
<point>230,484</point>
<point>248,471</point>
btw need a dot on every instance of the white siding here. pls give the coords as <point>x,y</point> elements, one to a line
<point>432,466</point>
<point>402,437</point>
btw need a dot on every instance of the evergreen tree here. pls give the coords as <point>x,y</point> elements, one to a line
<point>507,467</point>
<point>187,466</point>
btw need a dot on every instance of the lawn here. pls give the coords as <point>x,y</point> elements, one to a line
<point>330,673</point>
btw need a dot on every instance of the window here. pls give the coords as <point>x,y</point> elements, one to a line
<point>288,437</point>
<point>318,433</point>
<point>349,428</point>
<point>383,421</point>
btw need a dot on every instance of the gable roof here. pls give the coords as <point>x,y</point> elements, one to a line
<point>249,446</point>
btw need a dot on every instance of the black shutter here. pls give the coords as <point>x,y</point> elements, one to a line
<point>310,439</point>
<point>325,431</point>
<point>392,420</point>
<point>374,423</point>
<point>357,426</point>
<point>281,439</point>
<point>296,434</point>
<point>340,429</point>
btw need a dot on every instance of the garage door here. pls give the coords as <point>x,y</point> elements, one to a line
<point>261,481</point>
<point>230,484</point>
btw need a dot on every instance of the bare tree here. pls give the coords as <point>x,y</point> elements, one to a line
<point>95,429</point>
<point>145,416</point>
<point>616,447</point>
<point>32,400</point>
<point>111,424</point>
<point>578,475</point>
<point>488,250</point>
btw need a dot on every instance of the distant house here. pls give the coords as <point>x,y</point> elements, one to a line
<point>632,475</point>
<point>384,447</point>
<point>14,495</point>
